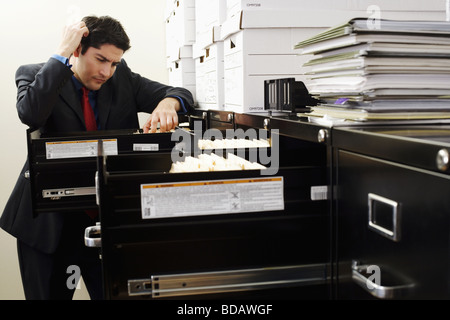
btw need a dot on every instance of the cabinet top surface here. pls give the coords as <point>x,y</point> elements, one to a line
<point>434,134</point>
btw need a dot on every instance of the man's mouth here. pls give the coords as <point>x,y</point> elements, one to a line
<point>100,80</point>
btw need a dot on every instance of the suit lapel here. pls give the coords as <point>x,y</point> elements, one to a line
<point>72,99</point>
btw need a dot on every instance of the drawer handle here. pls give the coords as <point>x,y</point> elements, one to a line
<point>381,292</point>
<point>443,160</point>
<point>92,237</point>
<point>386,211</point>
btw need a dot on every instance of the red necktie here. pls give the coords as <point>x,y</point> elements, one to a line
<point>92,213</point>
<point>91,125</point>
<point>89,116</point>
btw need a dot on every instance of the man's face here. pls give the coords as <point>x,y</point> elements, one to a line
<point>96,66</point>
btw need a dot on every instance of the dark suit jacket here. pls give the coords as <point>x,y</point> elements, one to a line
<point>47,99</point>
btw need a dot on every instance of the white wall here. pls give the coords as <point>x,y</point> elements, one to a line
<point>30,32</point>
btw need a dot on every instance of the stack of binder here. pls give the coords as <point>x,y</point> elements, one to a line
<point>380,70</point>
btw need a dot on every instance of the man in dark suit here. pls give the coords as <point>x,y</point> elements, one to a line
<point>49,97</point>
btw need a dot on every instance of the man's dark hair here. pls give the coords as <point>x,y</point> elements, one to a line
<point>104,30</point>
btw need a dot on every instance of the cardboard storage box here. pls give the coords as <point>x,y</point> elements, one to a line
<point>208,54</point>
<point>209,13</point>
<point>234,7</point>
<point>180,25</point>
<point>182,74</point>
<point>209,73</point>
<point>209,16</point>
<point>257,50</point>
<point>245,70</point>
<point>177,53</point>
<point>337,9</point>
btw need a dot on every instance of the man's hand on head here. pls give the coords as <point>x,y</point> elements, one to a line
<point>71,39</point>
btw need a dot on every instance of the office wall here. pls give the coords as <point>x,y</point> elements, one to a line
<point>30,32</point>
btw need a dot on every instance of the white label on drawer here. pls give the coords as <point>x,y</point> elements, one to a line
<point>79,149</point>
<point>145,147</point>
<point>196,198</point>
<point>319,193</point>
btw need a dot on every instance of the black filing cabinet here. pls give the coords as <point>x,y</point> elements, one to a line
<point>392,205</point>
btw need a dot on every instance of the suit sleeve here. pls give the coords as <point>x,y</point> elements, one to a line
<point>38,87</point>
<point>149,93</point>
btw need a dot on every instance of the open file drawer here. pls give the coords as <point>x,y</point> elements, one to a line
<point>62,168</point>
<point>278,250</point>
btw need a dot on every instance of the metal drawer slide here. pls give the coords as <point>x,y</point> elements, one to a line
<point>56,194</point>
<point>228,281</point>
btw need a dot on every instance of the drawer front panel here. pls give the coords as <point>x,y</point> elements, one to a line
<point>394,218</point>
<point>134,248</point>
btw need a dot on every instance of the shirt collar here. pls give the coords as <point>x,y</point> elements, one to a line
<point>79,85</point>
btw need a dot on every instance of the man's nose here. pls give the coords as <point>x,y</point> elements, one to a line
<point>106,71</point>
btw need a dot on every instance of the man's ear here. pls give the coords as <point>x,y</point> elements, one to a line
<point>77,52</point>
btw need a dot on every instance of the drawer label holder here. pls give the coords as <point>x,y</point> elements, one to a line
<point>209,197</point>
<point>79,149</point>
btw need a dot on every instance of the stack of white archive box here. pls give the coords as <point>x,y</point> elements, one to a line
<point>208,54</point>
<point>241,43</point>
<point>180,36</point>
<point>258,48</point>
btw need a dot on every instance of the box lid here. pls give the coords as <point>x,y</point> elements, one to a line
<point>178,53</point>
<point>205,39</point>
<point>282,18</point>
<point>310,18</point>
